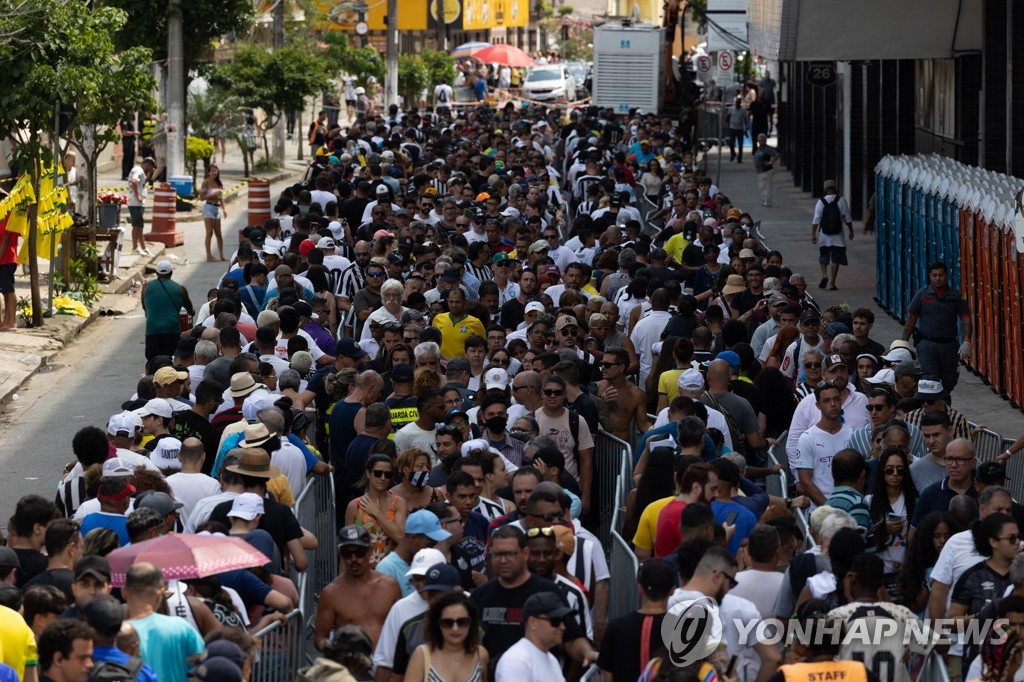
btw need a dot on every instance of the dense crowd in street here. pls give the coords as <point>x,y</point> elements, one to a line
<point>445,318</point>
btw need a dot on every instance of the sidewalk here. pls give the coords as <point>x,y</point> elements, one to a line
<point>786,226</point>
<point>26,351</point>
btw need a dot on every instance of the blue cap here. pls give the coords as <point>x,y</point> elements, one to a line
<point>426,523</point>
<point>348,347</point>
<point>441,577</point>
<point>835,329</point>
<point>731,357</point>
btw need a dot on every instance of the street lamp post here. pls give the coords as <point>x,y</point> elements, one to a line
<point>175,92</point>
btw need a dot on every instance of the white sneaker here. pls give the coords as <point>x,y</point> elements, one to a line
<point>137,252</point>
<point>147,252</point>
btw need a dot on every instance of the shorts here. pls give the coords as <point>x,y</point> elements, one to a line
<point>211,211</point>
<point>135,214</point>
<point>7,271</point>
<point>834,254</point>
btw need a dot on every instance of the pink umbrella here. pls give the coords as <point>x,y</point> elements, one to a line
<point>503,54</point>
<point>182,557</point>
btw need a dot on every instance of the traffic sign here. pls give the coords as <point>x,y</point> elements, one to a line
<point>703,63</point>
<point>361,28</point>
<point>725,60</point>
<point>821,74</point>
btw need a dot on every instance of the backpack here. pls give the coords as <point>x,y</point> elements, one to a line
<point>109,671</point>
<point>831,217</point>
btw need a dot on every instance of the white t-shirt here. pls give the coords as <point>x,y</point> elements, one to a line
<point>844,209</point>
<point>136,174</point>
<point>716,420</point>
<point>895,551</point>
<point>293,465</point>
<point>815,452</point>
<point>281,349</point>
<point>190,488</point>
<point>402,610</point>
<point>412,436</point>
<point>956,557</point>
<point>760,588</point>
<point>443,96</point>
<point>525,662</point>
<point>204,507</point>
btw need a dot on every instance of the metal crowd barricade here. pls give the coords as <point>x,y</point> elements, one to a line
<point>623,566</point>
<point>314,510</point>
<point>987,446</point>
<point>281,650</point>
<point>933,669</point>
<point>609,454</point>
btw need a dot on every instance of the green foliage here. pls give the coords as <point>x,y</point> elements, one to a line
<point>265,163</point>
<point>363,63</point>
<point>565,10</point>
<point>412,77</point>
<point>746,69</point>
<point>204,22</point>
<point>440,67</point>
<point>196,149</point>
<point>83,285</point>
<point>214,113</point>
<point>697,9</point>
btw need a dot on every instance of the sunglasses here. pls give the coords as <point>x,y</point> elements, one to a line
<point>552,393</point>
<point>499,362</point>
<point>895,471</point>
<point>556,621</point>
<point>550,517</point>
<point>570,331</point>
<point>1015,538</point>
<point>609,364</point>
<point>449,623</point>
<point>812,365</point>
<point>876,408</point>
<point>381,473</point>
<point>541,532</point>
<point>449,430</point>
<point>354,552</point>
<point>375,275</point>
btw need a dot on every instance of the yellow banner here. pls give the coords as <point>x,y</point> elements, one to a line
<point>342,16</point>
<point>478,15</point>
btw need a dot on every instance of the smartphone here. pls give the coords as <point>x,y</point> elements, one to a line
<point>732,666</point>
<point>894,517</point>
<point>731,519</point>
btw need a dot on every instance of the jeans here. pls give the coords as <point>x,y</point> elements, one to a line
<point>940,360</point>
<point>735,140</point>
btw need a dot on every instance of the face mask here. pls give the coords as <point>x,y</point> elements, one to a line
<point>303,209</point>
<point>496,424</point>
<point>419,479</point>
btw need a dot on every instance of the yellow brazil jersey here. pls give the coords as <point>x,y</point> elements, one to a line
<point>454,334</point>
<point>16,641</point>
<point>675,245</point>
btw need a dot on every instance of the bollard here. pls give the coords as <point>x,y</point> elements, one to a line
<point>163,222</point>
<point>259,203</point>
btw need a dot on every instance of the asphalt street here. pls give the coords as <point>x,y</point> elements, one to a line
<point>89,380</point>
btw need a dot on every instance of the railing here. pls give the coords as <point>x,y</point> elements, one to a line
<point>933,669</point>
<point>623,566</point>
<point>610,454</point>
<point>314,510</point>
<point>987,446</point>
<point>281,650</point>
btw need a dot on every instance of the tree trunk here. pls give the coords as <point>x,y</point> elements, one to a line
<point>33,256</point>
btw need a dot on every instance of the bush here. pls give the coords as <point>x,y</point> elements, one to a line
<point>196,149</point>
<point>412,78</point>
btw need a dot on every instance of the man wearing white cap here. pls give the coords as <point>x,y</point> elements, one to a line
<point>932,396</point>
<point>156,417</point>
<point>165,454</point>
<point>332,261</point>
<point>162,301</point>
<point>382,195</point>
<point>531,312</point>
<point>121,431</point>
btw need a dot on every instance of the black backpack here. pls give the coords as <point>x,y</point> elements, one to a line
<point>109,671</point>
<point>831,217</point>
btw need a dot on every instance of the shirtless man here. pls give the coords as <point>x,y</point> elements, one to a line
<point>359,596</point>
<point>626,401</point>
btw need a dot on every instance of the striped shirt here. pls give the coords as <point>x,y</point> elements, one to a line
<point>861,441</point>
<point>961,427</point>
<point>481,272</point>
<point>71,494</point>
<point>852,502</point>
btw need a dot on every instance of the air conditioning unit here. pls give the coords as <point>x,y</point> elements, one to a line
<point>629,66</point>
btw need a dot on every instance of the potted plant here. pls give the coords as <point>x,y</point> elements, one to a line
<point>108,208</point>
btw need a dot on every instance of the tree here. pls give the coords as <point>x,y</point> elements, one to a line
<point>412,78</point>
<point>58,52</point>
<point>440,67</point>
<point>271,81</point>
<point>363,63</point>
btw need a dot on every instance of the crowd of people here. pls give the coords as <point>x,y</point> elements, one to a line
<point>448,316</point>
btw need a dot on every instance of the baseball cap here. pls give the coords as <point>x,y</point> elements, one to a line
<point>442,578</point>
<point>898,355</point>
<point>402,373</point>
<point>162,503</point>
<point>396,258</point>
<point>545,605</point>
<point>186,348</point>
<point>566,321</point>
<point>733,213</point>
<point>122,423</point>
<point>991,473</point>
<point>9,558</point>
<point>731,357</point>
<point>691,380</point>
<point>534,306</point>
<point>496,377</point>
<point>538,246</point>
<point>216,669</point>
<point>115,466</point>
<point>552,270</point>
<point>809,316</point>
<point>451,275</point>
<point>164,267</point>
<point>226,649</point>
<point>104,613</point>
<point>96,566</point>
<point>451,414</point>
<point>499,257</point>
<point>882,376</point>
<point>908,368</point>
<point>325,243</point>
<point>747,253</point>
<point>382,189</point>
<point>834,329</point>
<point>354,536</point>
<point>157,407</point>
<point>246,506</point>
<point>305,247</point>
<point>565,540</point>
<point>423,560</point>
<point>777,299</point>
<point>424,522</point>
<point>114,488</point>
<point>348,347</point>
<point>832,361</point>
<point>458,365</point>
<point>165,453</point>
<point>930,389</point>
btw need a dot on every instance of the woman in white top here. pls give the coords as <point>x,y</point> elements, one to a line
<point>495,478</point>
<point>451,651</point>
<point>891,502</point>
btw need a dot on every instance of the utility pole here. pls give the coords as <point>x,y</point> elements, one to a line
<point>278,44</point>
<point>442,26</point>
<point>175,92</point>
<point>391,79</point>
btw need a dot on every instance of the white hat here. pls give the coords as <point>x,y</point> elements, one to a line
<point>930,388</point>
<point>898,355</point>
<point>325,243</point>
<point>900,343</point>
<point>156,407</point>
<point>424,559</point>
<point>273,246</point>
<point>691,380</point>
<point>360,90</point>
<point>247,506</point>
<point>475,444</point>
<point>534,306</point>
<point>165,453</point>
<point>496,377</point>
<point>164,267</point>
<point>883,376</point>
<point>389,155</point>
<point>115,466</point>
<point>124,421</point>
<point>382,189</point>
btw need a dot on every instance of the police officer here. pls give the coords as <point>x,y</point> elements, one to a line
<point>933,312</point>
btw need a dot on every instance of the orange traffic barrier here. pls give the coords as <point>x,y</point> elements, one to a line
<point>259,202</point>
<point>164,221</point>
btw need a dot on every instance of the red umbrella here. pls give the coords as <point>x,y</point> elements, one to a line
<point>182,557</point>
<point>503,54</point>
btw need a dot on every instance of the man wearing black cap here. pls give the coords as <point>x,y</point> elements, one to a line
<point>401,402</point>
<point>637,635</point>
<point>105,616</point>
<point>359,596</point>
<point>545,620</point>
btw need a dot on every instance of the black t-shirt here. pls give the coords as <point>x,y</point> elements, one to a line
<point>468,556</point>
<point>744,301</point>
<point>623,659</point>
<point>749,392</point>
<point>61,578</point>
<point>512,314</point>
<point>188,424</point>
<point>352,210</point>
<point>681,326</point>
<point>872,347</point>
<point>501,611</point>
<point>32,564</point>
<point>278,520</point>
<point>316,385</point>
<point>661,274</point>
